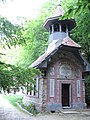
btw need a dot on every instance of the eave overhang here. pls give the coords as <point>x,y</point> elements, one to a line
<point>69,22</point>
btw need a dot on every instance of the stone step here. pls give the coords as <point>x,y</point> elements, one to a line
<point>69,111</point>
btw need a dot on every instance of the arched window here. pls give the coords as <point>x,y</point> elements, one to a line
<point>63,28</point>
<point>50,29</point>
<point>56,27</point>
<point>34,90</point>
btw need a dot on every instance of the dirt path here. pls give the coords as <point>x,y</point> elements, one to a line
<point>8,112</point>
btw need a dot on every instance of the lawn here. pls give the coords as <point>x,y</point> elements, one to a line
<point>13,99</point>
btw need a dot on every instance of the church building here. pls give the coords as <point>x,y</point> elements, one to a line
<point>61,83</point>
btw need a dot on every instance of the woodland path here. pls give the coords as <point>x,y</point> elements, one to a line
<point>9,112</point>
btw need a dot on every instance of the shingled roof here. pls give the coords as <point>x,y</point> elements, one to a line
<point>41,59</point>
<point>66,42</point>
<point>69,42</point>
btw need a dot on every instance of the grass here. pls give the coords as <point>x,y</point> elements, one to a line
<point>13,99</point>
<point>30,108</point>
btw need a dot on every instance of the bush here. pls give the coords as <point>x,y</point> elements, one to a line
<point>30,108</point>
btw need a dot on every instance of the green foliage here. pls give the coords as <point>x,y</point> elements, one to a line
<point>24,76</point>
<point>10,34</point>
<point>36,41</point>
<point>5,76</point>
<point>80,11</point>
<point>36,36</point>
<point>13,99</point>
<point>87,88</point>
<point>30,108</point>
<point>81,33</point>
<point>12,76</point>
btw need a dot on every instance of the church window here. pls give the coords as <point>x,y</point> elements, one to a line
<point>51,87</point>
<point>50,29</point>
<point>34,88</point>
<point>78,88</point>
<point>63,28</point>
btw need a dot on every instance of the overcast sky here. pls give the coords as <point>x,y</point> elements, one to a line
<point>24,8</point>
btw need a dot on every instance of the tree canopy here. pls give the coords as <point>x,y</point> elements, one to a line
<point>10,34</point>
<point>36,37</point>
<point>12,76</point>
<point>80,11</point>
<point>36,41</point>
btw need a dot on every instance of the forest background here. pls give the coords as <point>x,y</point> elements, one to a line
<point>23,44</point>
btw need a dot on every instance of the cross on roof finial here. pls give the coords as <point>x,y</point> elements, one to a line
<point>58,11</point>
<point>58,2</point>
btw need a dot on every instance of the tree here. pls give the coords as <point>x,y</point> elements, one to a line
<point>12,76</point>
<point>10,34</point>
<point>36,36</point>
<point>80,11</point>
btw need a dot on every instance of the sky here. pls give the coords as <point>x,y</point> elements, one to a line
<point>23,8</point>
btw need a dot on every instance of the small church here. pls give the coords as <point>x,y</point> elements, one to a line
<point>61,83</point>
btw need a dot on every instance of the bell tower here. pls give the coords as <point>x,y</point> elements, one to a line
<point>58,29</point>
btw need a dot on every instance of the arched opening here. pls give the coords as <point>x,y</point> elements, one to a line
<point>56,27</point>
<point>63,28</point>
<point>50,29</point>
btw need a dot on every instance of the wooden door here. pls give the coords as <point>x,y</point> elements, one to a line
<point>65,95</point>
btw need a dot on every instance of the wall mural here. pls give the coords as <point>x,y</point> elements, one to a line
<point>65,71</point>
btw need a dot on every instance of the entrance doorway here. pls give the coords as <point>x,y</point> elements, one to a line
<point>66,95</point>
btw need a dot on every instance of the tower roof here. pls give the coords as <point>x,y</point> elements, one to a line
<point>55,17</point>
<point>66,42</point>
<point>57,12</point>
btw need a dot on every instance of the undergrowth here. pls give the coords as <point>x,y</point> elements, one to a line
<point>30,108</point>
<point>14,99</point>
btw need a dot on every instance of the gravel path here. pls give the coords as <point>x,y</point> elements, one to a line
<point>8,112</point>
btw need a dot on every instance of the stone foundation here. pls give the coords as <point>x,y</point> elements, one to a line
<point>79,105</point>
<point>53,107</point>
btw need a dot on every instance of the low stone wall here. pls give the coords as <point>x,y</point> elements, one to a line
<point>27,100</point>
